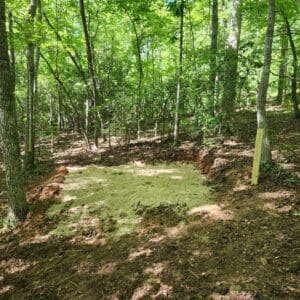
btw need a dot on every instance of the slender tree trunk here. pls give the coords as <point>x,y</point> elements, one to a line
<point>213,56</point>
<point>295,70</point>
<point>264,83</point>
<point>91,66</point>
<point>9,137</point>
<point>231,62</point>
<point>282,67</point>
<point>180,74</point>
<point>60,119</point>
<point>31,90</point>
<point>141,77</point>
<point>12,50</point>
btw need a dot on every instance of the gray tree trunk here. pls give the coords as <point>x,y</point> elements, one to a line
<point>180,73</point>
<point>282,67</point>
<point>12,49</point>
<point>31,89</point>
<point>264,83</point>
<point>294,82</point>
<point>9,138</point>
<point>91,66</point>
<point>141,77</point>
<point>213,56</point>
<point>231,61</point>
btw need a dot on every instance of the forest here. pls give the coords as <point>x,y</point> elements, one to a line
<point>150,149</point>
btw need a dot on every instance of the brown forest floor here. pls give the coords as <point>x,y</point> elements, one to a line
<point>254,254</point>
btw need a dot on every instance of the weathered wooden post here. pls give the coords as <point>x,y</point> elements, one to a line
<point>257,155</point>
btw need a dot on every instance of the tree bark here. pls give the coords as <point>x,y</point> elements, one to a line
<point>91,66</point>
<point>295,70</point>
<point>213,56</point>
<point>9,138</point>
<point>12,49</point>
<point>264,83</point>
<point>141,77</point>
<point>31,89</point>
<point>282,68</point>
<point>231,62</point>
<point>180,73</point>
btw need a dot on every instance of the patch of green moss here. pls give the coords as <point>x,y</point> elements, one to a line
<point>115,194</point>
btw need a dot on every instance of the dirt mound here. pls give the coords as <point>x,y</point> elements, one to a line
<point>47,189</point>
<point>211,163</point>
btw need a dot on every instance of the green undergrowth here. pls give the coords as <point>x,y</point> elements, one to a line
<point>115,200</point>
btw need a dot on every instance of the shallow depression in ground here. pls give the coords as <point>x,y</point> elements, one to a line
<point>113,198</point>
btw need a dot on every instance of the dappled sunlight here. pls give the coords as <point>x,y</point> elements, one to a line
<point>281,209</point>
<point>164,291</point>
<point>232,143</point>
<point>6,289</point>
<point>156,269</point>
<point>154,172</point>
<point>78,168</point>
<point>139,164</point>
<point>142,291</point>
<point>13,265</point>
<point>156,238</point>
<point>232,295</point>
<point>37,239</point>
<point>240,187</point>
<point>152,289</point>
<point>176,177</point>
<point>141,251</point>
<point>246,153</point>
<point>82,183</point>
<point>107,268</point>
<point>176,231</point>
<point>67,198</point>
<point>290,166</point>
<point>282,194</point>
<point>212,212</point>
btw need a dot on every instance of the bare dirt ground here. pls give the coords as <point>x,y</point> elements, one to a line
<point>244,246</point>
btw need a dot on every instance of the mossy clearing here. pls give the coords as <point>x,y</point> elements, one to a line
<point>115,198</point>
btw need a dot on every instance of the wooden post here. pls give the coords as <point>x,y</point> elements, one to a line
<point>257,155</point>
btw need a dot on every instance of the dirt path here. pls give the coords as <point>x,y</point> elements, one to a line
<point>246,246</point>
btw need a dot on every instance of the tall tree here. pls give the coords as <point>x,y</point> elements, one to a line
<point>12,49</point>
<point>213,55</point>
<point>180,73</point>
<point>92,71</point>
<point>295,69</point>
<point>264,83</point>
<point>9,139</point>
<point>282,67</point>
<point>231,61</point>
<point>31,87</point>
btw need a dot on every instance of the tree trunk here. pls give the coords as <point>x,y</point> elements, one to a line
<point>231,62</point>
<point>282,67</point>
<point>9,138</point>
<point>213,56</point>
<point>180,73</point>
<point>91,66</point>
<point>264,83</point>
<point>31,90</point>
<point>12,50</point>
<point>295,70</point>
